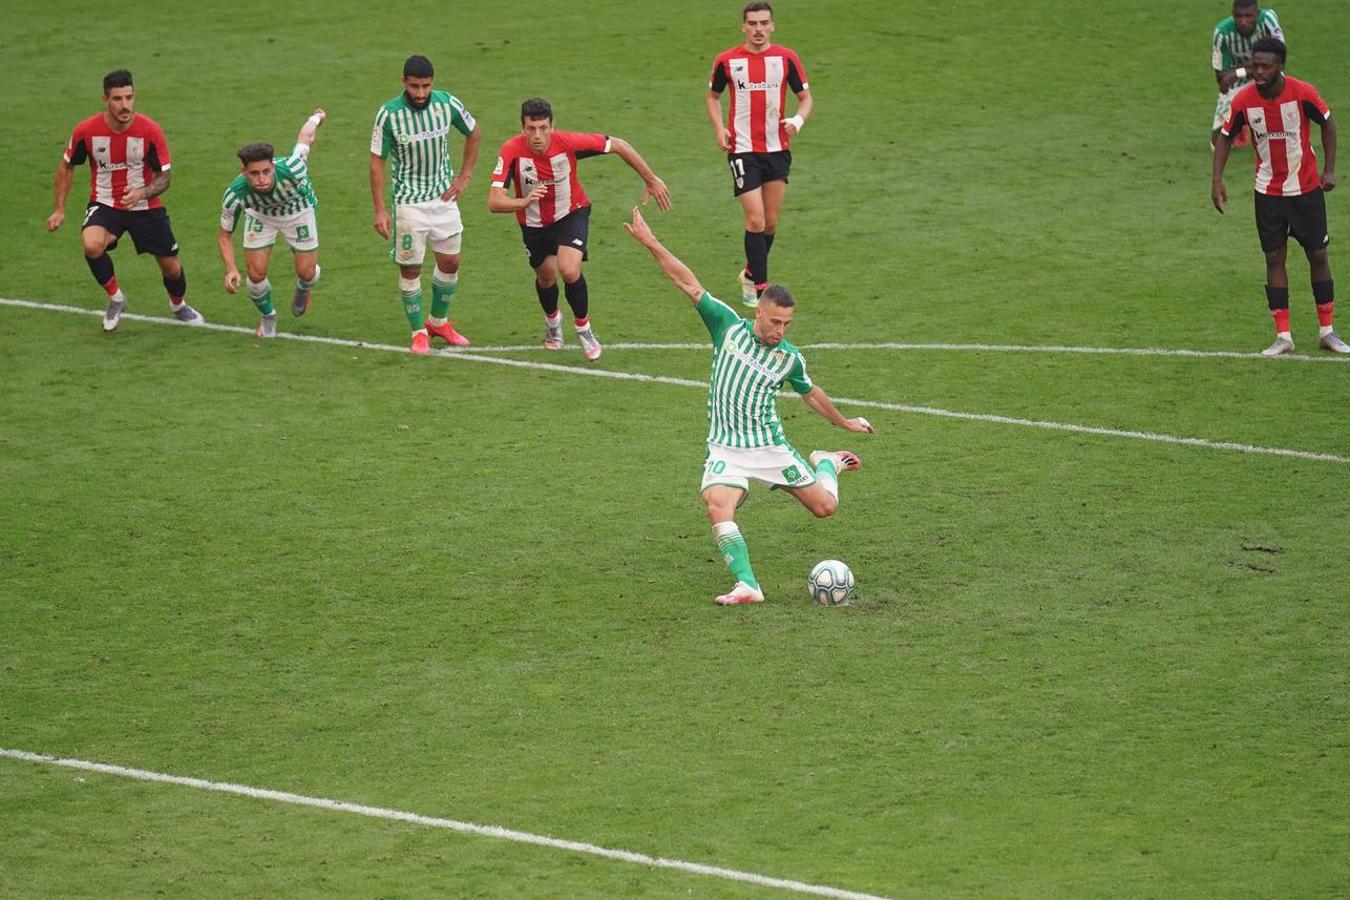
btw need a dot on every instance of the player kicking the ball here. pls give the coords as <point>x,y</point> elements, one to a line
<point>751,361</point>
<point>274,195</point>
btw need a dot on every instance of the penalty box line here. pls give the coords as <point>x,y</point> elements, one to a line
<point>1153,437</point>
<point>395,815</point>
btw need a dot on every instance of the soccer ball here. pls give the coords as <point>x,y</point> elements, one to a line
<point>831,583</point>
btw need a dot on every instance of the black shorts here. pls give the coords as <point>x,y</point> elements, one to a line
<point>1304,216</point>
<point>150,228</point>
<point>750,170</point>
<point>572,230</point>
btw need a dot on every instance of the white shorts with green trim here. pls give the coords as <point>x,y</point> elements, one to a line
<point>301,230</point>
<point>435,222</point>
<point>779,466</point>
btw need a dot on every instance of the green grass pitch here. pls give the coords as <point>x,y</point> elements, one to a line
<point>1082,665</point>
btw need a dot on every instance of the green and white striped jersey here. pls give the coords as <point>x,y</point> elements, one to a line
<point>1232,49</point>
<point>291,192</point>
<point>746,377</point>
<point>419,142</point>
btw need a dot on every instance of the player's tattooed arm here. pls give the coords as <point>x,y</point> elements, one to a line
<point>158,185</point>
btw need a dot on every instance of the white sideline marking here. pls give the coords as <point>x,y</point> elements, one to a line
<point>688,382</point>
<point>494,831</point>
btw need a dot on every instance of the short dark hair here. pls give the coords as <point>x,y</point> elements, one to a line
<point>1270,45</point>
<point>763,5</point>
<point>1244,4</point>
<point>418,66</point>
<point>115,79</point>
<point>251,153</point>
<point>536,108</point>
<point>779,295</point>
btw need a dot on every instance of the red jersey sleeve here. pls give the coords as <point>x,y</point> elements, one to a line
<point>77,151</point>
<point>1313,104</point>
<point>504,170</point>
<point>158,156</point>
<point>584,145</point>
<point>796,75</point>
<point>717,81</point>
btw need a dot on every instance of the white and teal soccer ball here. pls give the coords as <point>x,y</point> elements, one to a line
<point>831,583</point>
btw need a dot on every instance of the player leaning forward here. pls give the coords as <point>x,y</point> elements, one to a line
<point>1290,194</point>
<point>751,361</point>
<point>274,196</point>
<point>540,165</point>
<point>414,129</point>
<point>128,171</point>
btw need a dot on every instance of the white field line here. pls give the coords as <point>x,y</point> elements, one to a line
<point>394,815</point>
<point>689,382</point>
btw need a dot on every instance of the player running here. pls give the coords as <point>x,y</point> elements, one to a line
<point>554,213</point>
<point>1290,196</point>
<point>757,131</point>
<point>751,362</point>
<point>128,171</point>
<point>274,196</point>
<point>414,128</point>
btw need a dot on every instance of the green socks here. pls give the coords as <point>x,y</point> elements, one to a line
<point>442,290</point>
<point>260,292</point>
<point>411,292</point>
<point>734,552</point>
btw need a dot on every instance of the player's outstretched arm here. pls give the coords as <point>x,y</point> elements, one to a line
<point>675,270</point>
<point>309,132</point>
<point>821,404</point>
<point>61,185</point>
<point>655,186</point>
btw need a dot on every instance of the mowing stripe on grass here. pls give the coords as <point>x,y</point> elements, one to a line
<point>1154,437</point>
<point>394,815</point>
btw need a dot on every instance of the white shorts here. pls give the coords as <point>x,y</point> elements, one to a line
<point>301,230</point>
<point>1225,103</point>
<point>435,222</point>
<point>775,466</point>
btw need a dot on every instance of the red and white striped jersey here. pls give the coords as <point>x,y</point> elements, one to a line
<point>1285,163</point>
<point>759,83</point>
<point>557,167</point>
<point>119,160</point>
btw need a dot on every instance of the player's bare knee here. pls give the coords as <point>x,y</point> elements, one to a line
<point>754,222</point>
<point>257,273</point>
<point>305,272</point>
<point>412,273</point>
<point>824,508</point>
<point>170,266</point>
<point>570,272</point>
<point>94,245</point>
